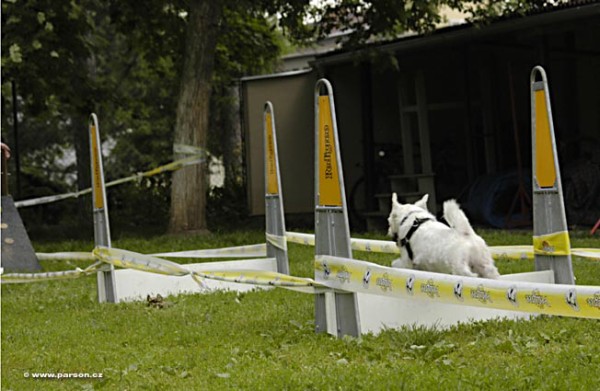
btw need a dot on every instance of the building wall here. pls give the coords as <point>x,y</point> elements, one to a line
<point>292,99</point>
<point>478,109</point>
<point>347,98</point>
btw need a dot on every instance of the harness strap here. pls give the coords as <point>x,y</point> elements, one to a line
<point>405,241</point>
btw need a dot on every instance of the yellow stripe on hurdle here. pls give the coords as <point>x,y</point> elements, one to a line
<point>557,243</point>
<point>329,181</point>
<point>544,153</point>
<point>271,162</point>
<point>97,169</point>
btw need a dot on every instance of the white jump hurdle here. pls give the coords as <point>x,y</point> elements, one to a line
<point>116,285</point>
<point>376,312</point>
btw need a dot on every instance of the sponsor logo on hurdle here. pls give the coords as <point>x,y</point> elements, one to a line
<point>458,291</point>
<point>537,299</point>
<point>384,282</point>
<point>594,301</point>
<point>343,275</point>
<point>481,294</point>
<point>511,295</point>
<point>410,284</point>
<point>271,163</point>
<point>97,177</point>
<point>571,299</point>
<point>366,280</point>
<point>430,289</point>
<point>326,270</point>
<point>327,153</point>
<point>547,247</point>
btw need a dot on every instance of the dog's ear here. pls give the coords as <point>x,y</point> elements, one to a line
<point>422,203</point>
<point>395,203</point>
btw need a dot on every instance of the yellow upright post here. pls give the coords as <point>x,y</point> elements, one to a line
<point>552,249</point>
<point>106,277</point>
<point>335,313</point>
<point>274,218</point>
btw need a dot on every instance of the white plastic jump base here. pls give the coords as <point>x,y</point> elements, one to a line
<point>378,313</point>
<point>132,285</point>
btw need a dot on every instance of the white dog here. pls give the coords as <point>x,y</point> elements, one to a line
<point>427,244</point>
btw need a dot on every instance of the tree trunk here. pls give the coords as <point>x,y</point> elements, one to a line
<point>188,189</point>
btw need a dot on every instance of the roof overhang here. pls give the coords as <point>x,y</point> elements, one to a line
<point>468,32</point>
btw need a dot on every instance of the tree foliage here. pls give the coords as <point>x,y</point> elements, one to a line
<point>45,43</point>
<point>122,60</point>
<point>380,20</point>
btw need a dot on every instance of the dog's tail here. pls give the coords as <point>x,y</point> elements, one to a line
<point>456,218</point>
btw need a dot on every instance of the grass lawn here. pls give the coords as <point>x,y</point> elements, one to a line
<point>265,339</point>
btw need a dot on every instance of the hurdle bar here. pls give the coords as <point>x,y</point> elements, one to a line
<point>551,244</point>
<point>245,251</point>
<point>428,290</point>
<point>515,252</point>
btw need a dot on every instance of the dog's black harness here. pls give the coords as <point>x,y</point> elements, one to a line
<point>405,241</point>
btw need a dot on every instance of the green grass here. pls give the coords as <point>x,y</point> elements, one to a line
<point>265,339</point>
